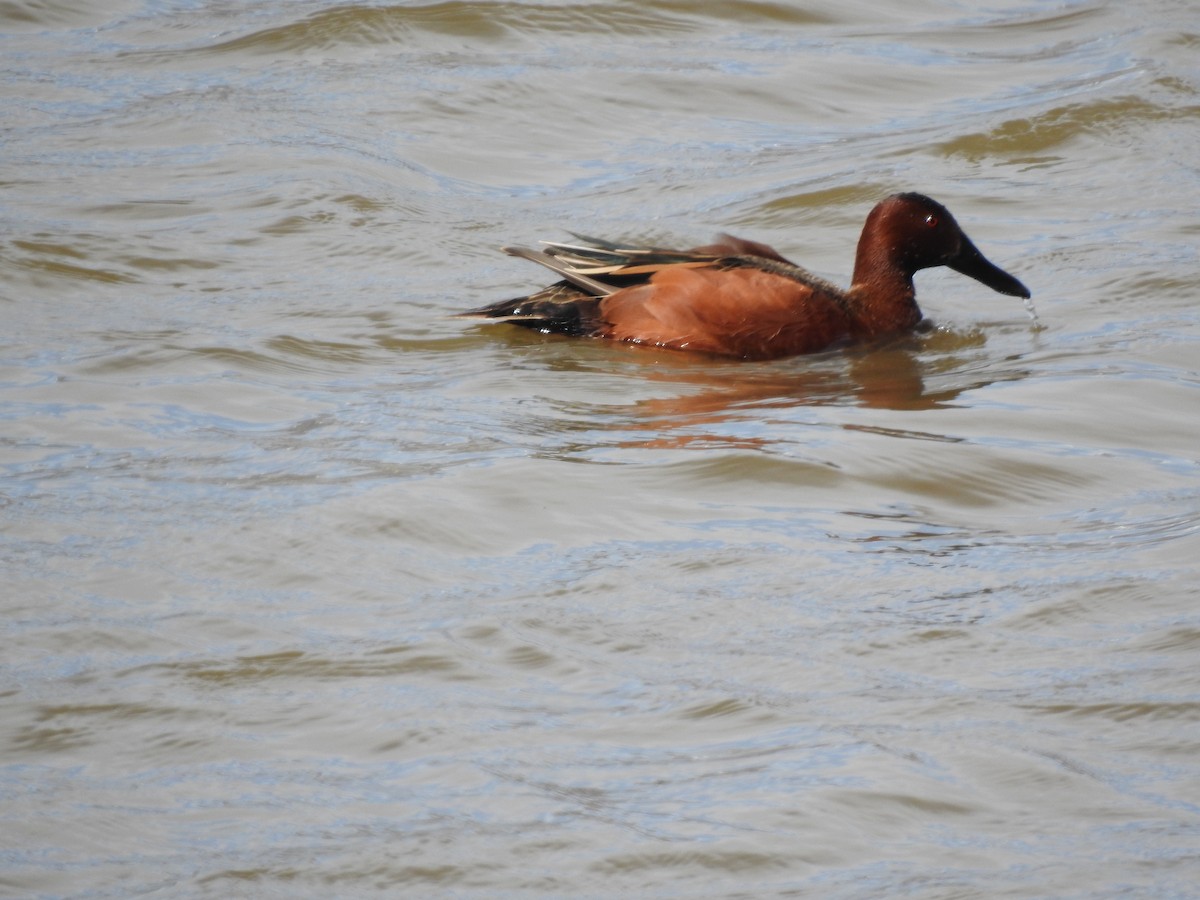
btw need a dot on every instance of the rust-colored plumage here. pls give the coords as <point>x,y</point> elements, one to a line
<point>743,299</point>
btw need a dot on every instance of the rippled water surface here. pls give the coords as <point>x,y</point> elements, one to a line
<point>311,590</point>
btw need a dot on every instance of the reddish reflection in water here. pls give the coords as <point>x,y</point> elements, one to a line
<point>899,376</point>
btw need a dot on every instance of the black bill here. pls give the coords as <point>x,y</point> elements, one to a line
<point>974,264</point>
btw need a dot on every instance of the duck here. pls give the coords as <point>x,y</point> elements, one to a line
<point>742,299</point>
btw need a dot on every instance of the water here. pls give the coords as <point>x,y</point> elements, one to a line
<point>312,590</point>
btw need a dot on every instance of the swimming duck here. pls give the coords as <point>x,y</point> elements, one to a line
<point>742,299</point>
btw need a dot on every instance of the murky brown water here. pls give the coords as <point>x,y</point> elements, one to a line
<point>313,591</point>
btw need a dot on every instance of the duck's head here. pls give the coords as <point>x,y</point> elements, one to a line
<point>914,232</point>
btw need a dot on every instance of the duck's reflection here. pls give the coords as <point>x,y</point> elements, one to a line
<point>709,404</point>
<point>690,400</point>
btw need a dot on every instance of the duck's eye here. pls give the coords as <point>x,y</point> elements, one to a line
<point>931,220</point>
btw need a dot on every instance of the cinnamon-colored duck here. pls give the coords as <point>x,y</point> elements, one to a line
<point>743,299</point>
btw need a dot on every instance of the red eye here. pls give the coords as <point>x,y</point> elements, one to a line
<point>931,220</point>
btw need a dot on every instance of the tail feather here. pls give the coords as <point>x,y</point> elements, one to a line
<point>561,308</point>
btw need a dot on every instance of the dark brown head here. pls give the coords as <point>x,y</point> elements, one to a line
<point>909,232</point>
